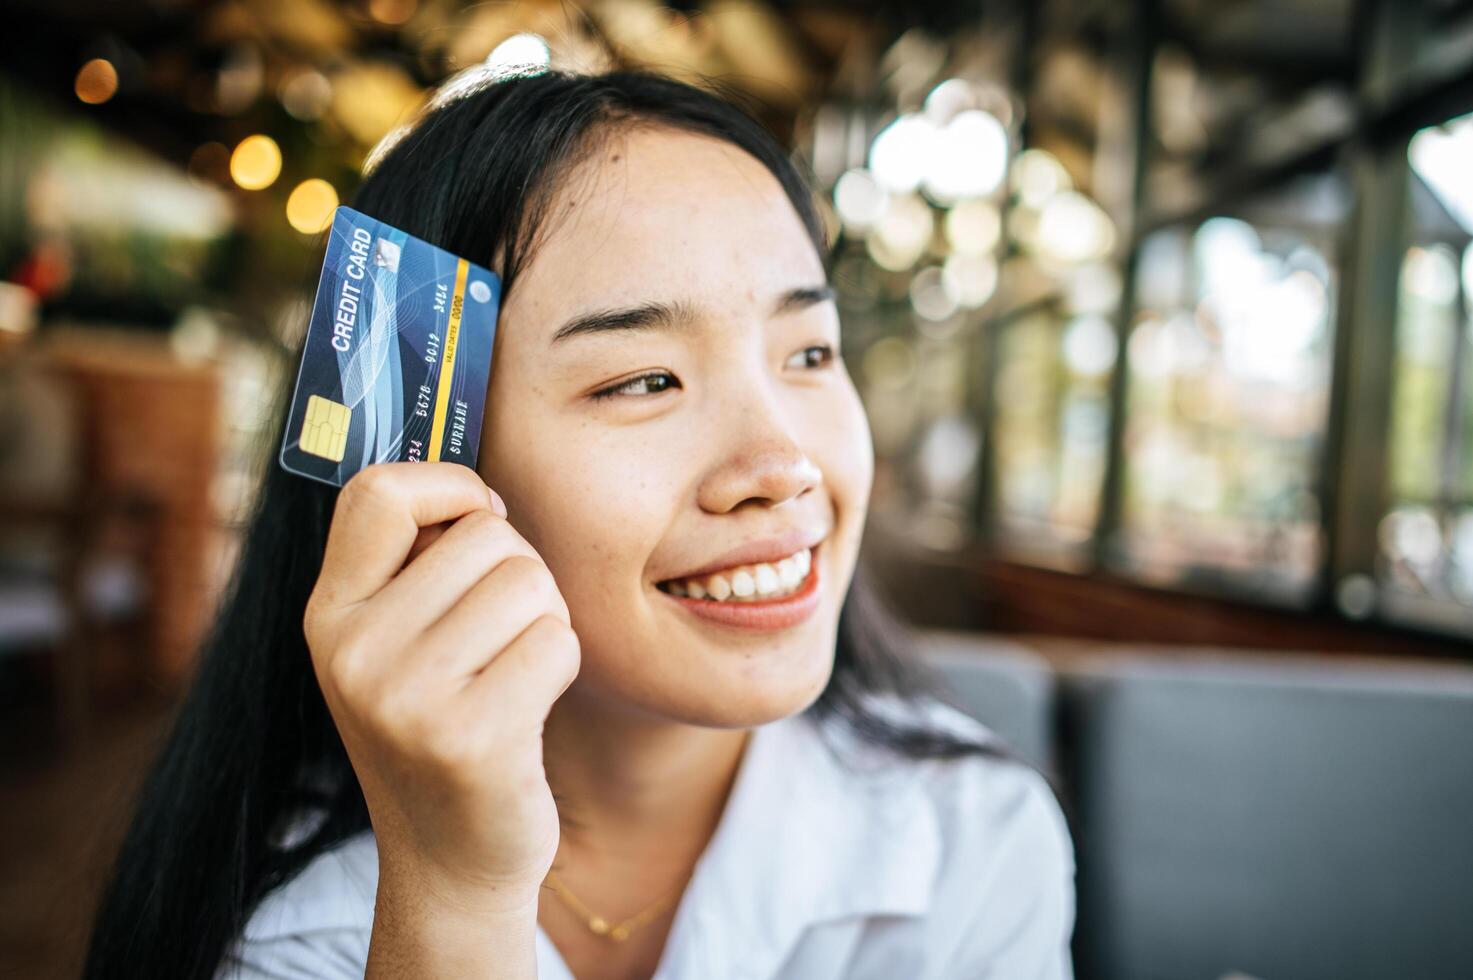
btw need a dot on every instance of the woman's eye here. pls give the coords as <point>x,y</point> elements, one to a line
<point>824,355</point>
<point>815,356</point>
<point>645,384</point>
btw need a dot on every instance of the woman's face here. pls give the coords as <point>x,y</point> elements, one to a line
<point>727,421</point>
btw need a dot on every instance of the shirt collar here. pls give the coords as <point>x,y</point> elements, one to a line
<point>815,829</point>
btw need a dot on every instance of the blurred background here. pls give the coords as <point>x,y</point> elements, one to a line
<point>1162,311</point>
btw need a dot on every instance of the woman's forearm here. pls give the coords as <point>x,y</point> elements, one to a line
<point>419,932</point>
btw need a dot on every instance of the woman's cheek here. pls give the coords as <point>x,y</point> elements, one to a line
<point>851,452</point>
<point>614,499</point>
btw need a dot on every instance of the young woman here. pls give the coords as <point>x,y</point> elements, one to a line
<point>609,708</point>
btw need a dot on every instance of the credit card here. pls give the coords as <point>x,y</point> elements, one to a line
<point>397,357</point>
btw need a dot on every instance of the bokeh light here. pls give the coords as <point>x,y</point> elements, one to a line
<point>929,296</point>
<point>903,234</point>
<point>859,200</point>
<point>306,95</point>
<point>973,227</point>
<point>309,208</point>
<point>970,158</point>
<point>1037,176</point>
<point>970,279</point>
<point>1072,228</point>
<point>901,153</point>
<point>520,51</point>
<point>97,81</point>
<point>256,162</point>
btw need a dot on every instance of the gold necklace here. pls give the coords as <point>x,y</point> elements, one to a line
<point>601,926</point>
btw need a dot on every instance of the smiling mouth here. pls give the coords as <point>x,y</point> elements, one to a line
<point>759,582</point>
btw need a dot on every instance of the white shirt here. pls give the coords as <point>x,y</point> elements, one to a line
<point>927,870</point>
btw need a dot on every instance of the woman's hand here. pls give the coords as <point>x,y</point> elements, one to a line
<point>439,663</point>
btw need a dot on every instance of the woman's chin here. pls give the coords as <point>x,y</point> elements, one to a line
<point>747,702</point>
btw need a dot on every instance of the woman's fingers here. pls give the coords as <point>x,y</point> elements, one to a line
<point>378,516</point>
<point>430,534</point>
<point>426,537</point>
<point>523,680</point>
<point>488,617</point>
<point>446,570</point>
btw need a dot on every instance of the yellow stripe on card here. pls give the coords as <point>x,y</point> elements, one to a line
<point>447,359</point>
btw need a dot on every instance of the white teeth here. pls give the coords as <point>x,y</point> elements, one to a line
<point>787,574</point>
<point>748,583</point>
<point>717,587</point>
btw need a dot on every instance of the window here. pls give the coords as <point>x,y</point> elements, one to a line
<point>1229,378</point>
<point>1425,559</point>
<point>1185,333</point>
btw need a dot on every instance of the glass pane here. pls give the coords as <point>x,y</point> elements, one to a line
<point>1229,362</point>
<point>1052,407</point>
<point>1426,538</point>
<point>1426,332</point>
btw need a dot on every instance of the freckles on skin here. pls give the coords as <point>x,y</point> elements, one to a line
<point>609,493</point>
<point>594,505</point>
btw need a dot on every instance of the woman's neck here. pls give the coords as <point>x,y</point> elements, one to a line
<point>633,791</point>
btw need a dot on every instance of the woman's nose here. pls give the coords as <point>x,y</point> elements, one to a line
<point>763,464</point>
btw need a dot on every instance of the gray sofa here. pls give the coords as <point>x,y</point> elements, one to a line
<point>1266,816</point>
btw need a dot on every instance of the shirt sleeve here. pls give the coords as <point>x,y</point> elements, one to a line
<point>317,925</point>
<point>335,954</point>
<point>1022,926</point>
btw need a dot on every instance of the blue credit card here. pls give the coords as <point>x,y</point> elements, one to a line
<point>397,357</point>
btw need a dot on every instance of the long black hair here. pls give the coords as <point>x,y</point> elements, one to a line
<point>253,745</point>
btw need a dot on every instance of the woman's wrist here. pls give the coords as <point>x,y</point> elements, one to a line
<point>461,894</point>
<point>427,925</point>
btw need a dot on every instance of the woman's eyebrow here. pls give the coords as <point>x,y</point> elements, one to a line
<point>803,296</point>
<point>654,316</point>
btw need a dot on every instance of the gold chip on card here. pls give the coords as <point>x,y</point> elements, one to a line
<point>325,428</point>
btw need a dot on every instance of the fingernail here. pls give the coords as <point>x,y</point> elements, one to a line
<point>497,504</point>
